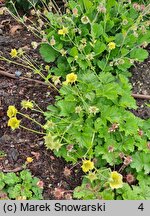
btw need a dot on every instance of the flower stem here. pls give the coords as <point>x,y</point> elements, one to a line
<point>26,116</point>
<point>33,131</point>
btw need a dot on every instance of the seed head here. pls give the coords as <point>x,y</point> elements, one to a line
<point>130,178</point>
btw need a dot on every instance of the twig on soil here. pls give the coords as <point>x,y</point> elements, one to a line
<point>17,169</point>
<point>140,96</point>
<point>4,73</point>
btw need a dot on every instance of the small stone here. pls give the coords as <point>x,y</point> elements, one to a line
<point>41,143</point>
<point>5,138</point>
<point>13,154</point>
<point>18,73</point>
<point>6,162</point>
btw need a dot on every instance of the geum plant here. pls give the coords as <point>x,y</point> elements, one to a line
<point>20,186</point>
<point>90,122</point>
<point>97,36</point>
<point>90,35</point>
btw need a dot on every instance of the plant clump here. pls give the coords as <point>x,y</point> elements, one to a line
<point>91,47</point>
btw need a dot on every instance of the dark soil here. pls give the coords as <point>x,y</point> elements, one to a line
<point>141,85</point>
<point>19,144</point>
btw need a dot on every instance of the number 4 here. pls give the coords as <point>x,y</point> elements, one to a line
<point>141,207</point>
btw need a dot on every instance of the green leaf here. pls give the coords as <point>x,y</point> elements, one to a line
<point>106,77</point>
<point>47,53</point>
<point>2,184</point>
<point>70,59</point>
<point>127,64</point>
<point>26,175</point>
<point>99,47</point>
<point>101,64</point>
<point>139,54</point>
<point>65,90</point>
<point>89,78</point>
<point>108,38</point>
<point>130,126</point>
<point>135,192</point>
<point>112,113</point>
<point>96,30</point>
<point>148,105</point>
<point>119,39</point>
<point>74,52</point>
<point>81,192</point>
<point>141,161</point>
<point>144,38</point>
<point>110,4</point>
<point>83,64</point>
<point>107,195</point>
<point>66,107</point>
<point>87,4</point>
<point>124,51</point>
<point>84,31</point>
<point>109,158</point>
<point>26,192</point>
<point>146,125</point>
<point>109,25</point>
<point>110,91</point>
<point>86,137</point>
<point>11,178</point>
<point>143,180</point>
<point>127,101</point>
<point>130,41</point>
<point>15,191</point>
<point>2,176</point>
<point>125,85</point>
<point>53,111</point>
<point>128,144</point>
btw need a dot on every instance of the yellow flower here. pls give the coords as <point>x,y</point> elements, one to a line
<point>111,45</point>
<point>87,165</point>
<point>29,159</point>
<point>63,31</point>
<point>27,104</point>
<point>13,53</point>
<point>115,180</point>
<point>71,78</point>
<point>11,112</point>
<point>21,198</point>
<point>14,123</point>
